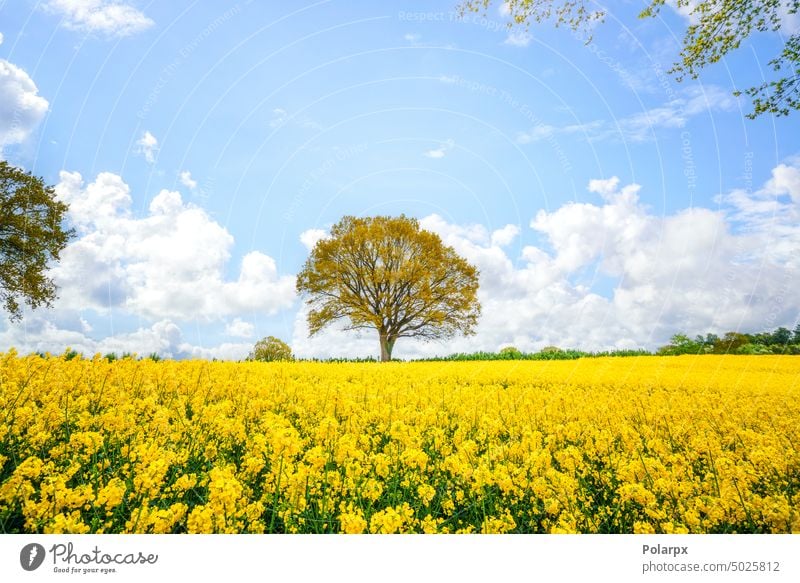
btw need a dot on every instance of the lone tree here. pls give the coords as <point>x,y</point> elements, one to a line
<point>388,274</point>
<point>31,236</point>
<point>270,349</point>
<point>717,28</point>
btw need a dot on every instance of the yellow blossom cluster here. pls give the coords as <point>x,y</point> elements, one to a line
<point>705,444</point>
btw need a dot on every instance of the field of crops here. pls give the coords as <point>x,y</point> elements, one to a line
<point>704,444</point>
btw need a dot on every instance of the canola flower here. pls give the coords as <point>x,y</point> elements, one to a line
<point>705,444</point>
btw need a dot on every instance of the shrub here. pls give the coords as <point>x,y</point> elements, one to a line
<point>550,350</point>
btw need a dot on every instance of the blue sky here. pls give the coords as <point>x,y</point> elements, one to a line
<point>203,147</point>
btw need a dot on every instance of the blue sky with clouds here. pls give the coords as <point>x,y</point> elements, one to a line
<point>204,147</point>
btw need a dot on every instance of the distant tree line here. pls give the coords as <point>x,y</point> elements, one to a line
<point>780,341</point>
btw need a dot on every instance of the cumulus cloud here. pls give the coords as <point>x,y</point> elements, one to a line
<point>147,146</point>
<point>105,17</point>
<point>163,337</point>
<point>240,329</point>
<point>187,180</point>
<point>311,237</point>
<point>697,270</point>
<point>21,106</point>
<point>604,186</point>
<point>503,237</point>
<point>167,264</point>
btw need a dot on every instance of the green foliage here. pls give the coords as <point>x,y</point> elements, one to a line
<point>569,354</point>
<point>154,356</point>
<point>550,349</point>
<point>270,349</point>
<point>511,352</point>
<point>717,28</point>
<point>69,354</point>
<point>780,341</point>
<point>389,275</point>
<point>31,236</point>
<point>681,344</point>
<point>781,336</point>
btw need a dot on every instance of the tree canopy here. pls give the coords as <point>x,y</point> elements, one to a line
<point>717,28</point>
<point>31,236</point>
<point>389,275</point>
<point>270,349</point>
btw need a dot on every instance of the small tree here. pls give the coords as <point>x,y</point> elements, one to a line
<point>681,344</point>
<point>31,236</point>
<point>389,275</point>
<point>270,349</point>
<point>550,350</point>
<point>510,352</point>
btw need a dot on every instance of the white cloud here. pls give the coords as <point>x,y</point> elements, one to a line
<point>147,146</point>
<point>697,270</point>
<point>644,125</point>
<point>518,38</point>
<point>106,17</point>
<point>187,180</point>
<point>165,338</point>
<point>412,38</point>
<point>686,10</point>
<point>441,151</point>
<point>541,131</point>
<point>789,22</point>
<point>21,106</point>
<point>167,264</point>
<point>310,237</point>
<point>785,180</point>
<point>503,237</point>
<point>604,187</point>
<point>695,101</point>
<point>538,132</point>
<point>224,351</point>
<point>436,153</point>
<point>240,329</point>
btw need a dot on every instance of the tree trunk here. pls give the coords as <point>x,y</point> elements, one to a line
<point>387,344</point>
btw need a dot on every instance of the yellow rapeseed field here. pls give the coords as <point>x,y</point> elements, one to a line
<point>703,444</point>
